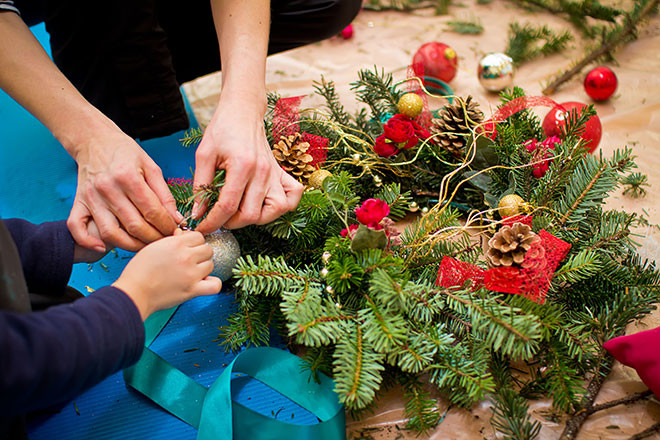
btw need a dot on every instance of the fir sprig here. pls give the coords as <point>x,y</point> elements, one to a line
<point>524,42</point>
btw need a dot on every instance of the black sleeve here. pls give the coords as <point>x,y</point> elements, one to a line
<point>50,357</point>
<point>8,5</point>
<point>46,253</point>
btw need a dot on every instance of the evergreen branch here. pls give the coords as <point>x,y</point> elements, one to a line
<point>576,10</point>
<point>420,409</point>
<point>619,35</point>
<point>523,42</point>
<point>575,422</point>
<point>376,89</point>
<point>580,266</point>
<point>634,184</point>
<point>511,416</point>
<point>357,369</point>
<point>589,184</point>
<point>329,93</point>
<point>267,276</point>
<point>192,137</point>
<point>472,27</point>
<point>440,6</point>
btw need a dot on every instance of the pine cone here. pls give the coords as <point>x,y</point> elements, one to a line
<point>454,123</point>
<point>291,153</point>
<point>509,245</point>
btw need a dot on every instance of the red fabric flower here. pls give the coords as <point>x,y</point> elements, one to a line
<point>384,148</point>
<point>400,130</point>
<point>420,131</point>
<point>350,231</point>
<point>540,151</point>
<point>372,212</point>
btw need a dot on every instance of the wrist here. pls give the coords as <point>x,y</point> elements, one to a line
<point>242,98</point>
<point>78,131</point>
<point>136,295</point>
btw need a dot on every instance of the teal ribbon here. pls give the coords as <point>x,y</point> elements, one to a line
<point>216,415</point>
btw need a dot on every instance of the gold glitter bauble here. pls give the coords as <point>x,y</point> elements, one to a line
<point>411,105</point>
<point>317,178</point>
<point>510,205</point>
<point>226,252</point>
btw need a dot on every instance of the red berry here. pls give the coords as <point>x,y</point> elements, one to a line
<point>600,83</point>
<point>556,119</point>
<point>436,60</point>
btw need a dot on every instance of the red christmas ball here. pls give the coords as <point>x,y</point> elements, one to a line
<point>600,83</point>
<point>556,119</point>
<point>347,32</point>
<point>436,60</point>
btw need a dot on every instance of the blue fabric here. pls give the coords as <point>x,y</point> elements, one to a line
<point>39,181</point>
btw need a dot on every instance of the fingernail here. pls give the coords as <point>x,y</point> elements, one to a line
<point>195,210</point>
<point>179,217</point>
<point>99,248</point>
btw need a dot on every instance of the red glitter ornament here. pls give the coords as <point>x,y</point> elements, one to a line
<point>436,60</point>
<point>556,119</point>
<point>600,83</point>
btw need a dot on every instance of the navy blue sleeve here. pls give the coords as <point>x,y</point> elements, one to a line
<point>50,357</point>
<point>46,253</point>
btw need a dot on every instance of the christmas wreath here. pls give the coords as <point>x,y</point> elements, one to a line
<point>508,260</point>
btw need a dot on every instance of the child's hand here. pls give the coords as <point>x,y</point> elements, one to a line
<point>84,255</point>
<point>168,272</point>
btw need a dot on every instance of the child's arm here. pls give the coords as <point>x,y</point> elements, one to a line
<point>49,357</point>
<point>46,252</point>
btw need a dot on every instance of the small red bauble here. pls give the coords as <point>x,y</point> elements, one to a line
<point>556,119</point>
<point>436,60</point>
<point>347,32</point>
<point>600,83</point>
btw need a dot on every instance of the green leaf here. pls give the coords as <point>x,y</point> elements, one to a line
<point>367,238</point>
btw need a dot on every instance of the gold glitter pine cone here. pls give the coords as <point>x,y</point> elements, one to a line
<point>291,153</point>
<point>510,244</point>
<point>454,124</point>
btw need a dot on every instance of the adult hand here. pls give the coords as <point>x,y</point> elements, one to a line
<point>86,255</point>
<point>123,191</point>
<point>256,189</point>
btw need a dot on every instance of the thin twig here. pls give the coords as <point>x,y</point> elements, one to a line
<point>607,47</point>
<point>624,400</point>
<point>646,433</point>
<point>574,424</point>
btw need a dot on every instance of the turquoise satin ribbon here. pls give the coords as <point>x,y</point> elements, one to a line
<point>212,410</point>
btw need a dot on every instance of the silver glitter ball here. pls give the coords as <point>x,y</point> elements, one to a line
<point>495,71</point>
<point>326,257</point>
<point>413,207</point>
<point>226,252</point>
<point>329,289</point>
<point>324,272</point>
